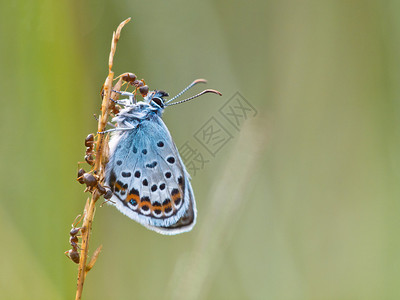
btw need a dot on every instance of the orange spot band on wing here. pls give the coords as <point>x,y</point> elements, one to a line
<point>145,201</point>
<point>132,197</point>
<point>176,196</point>
<point>118,186</point>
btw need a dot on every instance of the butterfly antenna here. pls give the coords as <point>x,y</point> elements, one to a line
<point>186,88</point>
<point>195,96</point>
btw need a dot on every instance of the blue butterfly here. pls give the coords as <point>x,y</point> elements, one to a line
<point>145,172</point>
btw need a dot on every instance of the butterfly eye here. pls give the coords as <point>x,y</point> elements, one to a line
<point>159,102</point>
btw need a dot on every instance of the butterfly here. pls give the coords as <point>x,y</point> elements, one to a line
<point>145,172</point>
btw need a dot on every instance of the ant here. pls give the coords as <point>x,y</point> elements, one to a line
<point>131,79</point>
<point>73,253</point>
<point>91,181</point>
<point>89,143</point>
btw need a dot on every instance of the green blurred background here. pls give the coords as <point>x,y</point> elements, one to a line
<point>302,203</point>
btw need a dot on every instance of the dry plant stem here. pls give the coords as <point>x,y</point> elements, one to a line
<point>98,169</point>
<point>92,261</point>
<point>87,224</point>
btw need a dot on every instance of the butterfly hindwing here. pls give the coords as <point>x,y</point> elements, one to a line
<point>148,178</point>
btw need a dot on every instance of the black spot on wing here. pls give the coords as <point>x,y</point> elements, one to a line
<point>126,174</point>
<point>124,186</point>
<point>151,165</point>
<point>134,191</point>
<point>113,179</point>
<point>177,201</point>
<point>145,199</point>
<point>181,183</point>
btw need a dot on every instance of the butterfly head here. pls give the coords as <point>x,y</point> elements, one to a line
<point>156,99</point>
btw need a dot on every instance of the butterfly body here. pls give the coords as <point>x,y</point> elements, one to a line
<point>145,172</point>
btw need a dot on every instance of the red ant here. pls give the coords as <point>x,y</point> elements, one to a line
<point>131,79</point>
<point>91,182</point>
<point>89,143</point>
<point>73,253</point>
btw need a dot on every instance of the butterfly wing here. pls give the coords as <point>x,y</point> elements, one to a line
<point>149,180</point>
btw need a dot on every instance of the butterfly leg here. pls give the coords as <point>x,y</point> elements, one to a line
<point>124,102</point>
<point>108,123</point>
<point>114,129</point>
<point>131,96</point>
